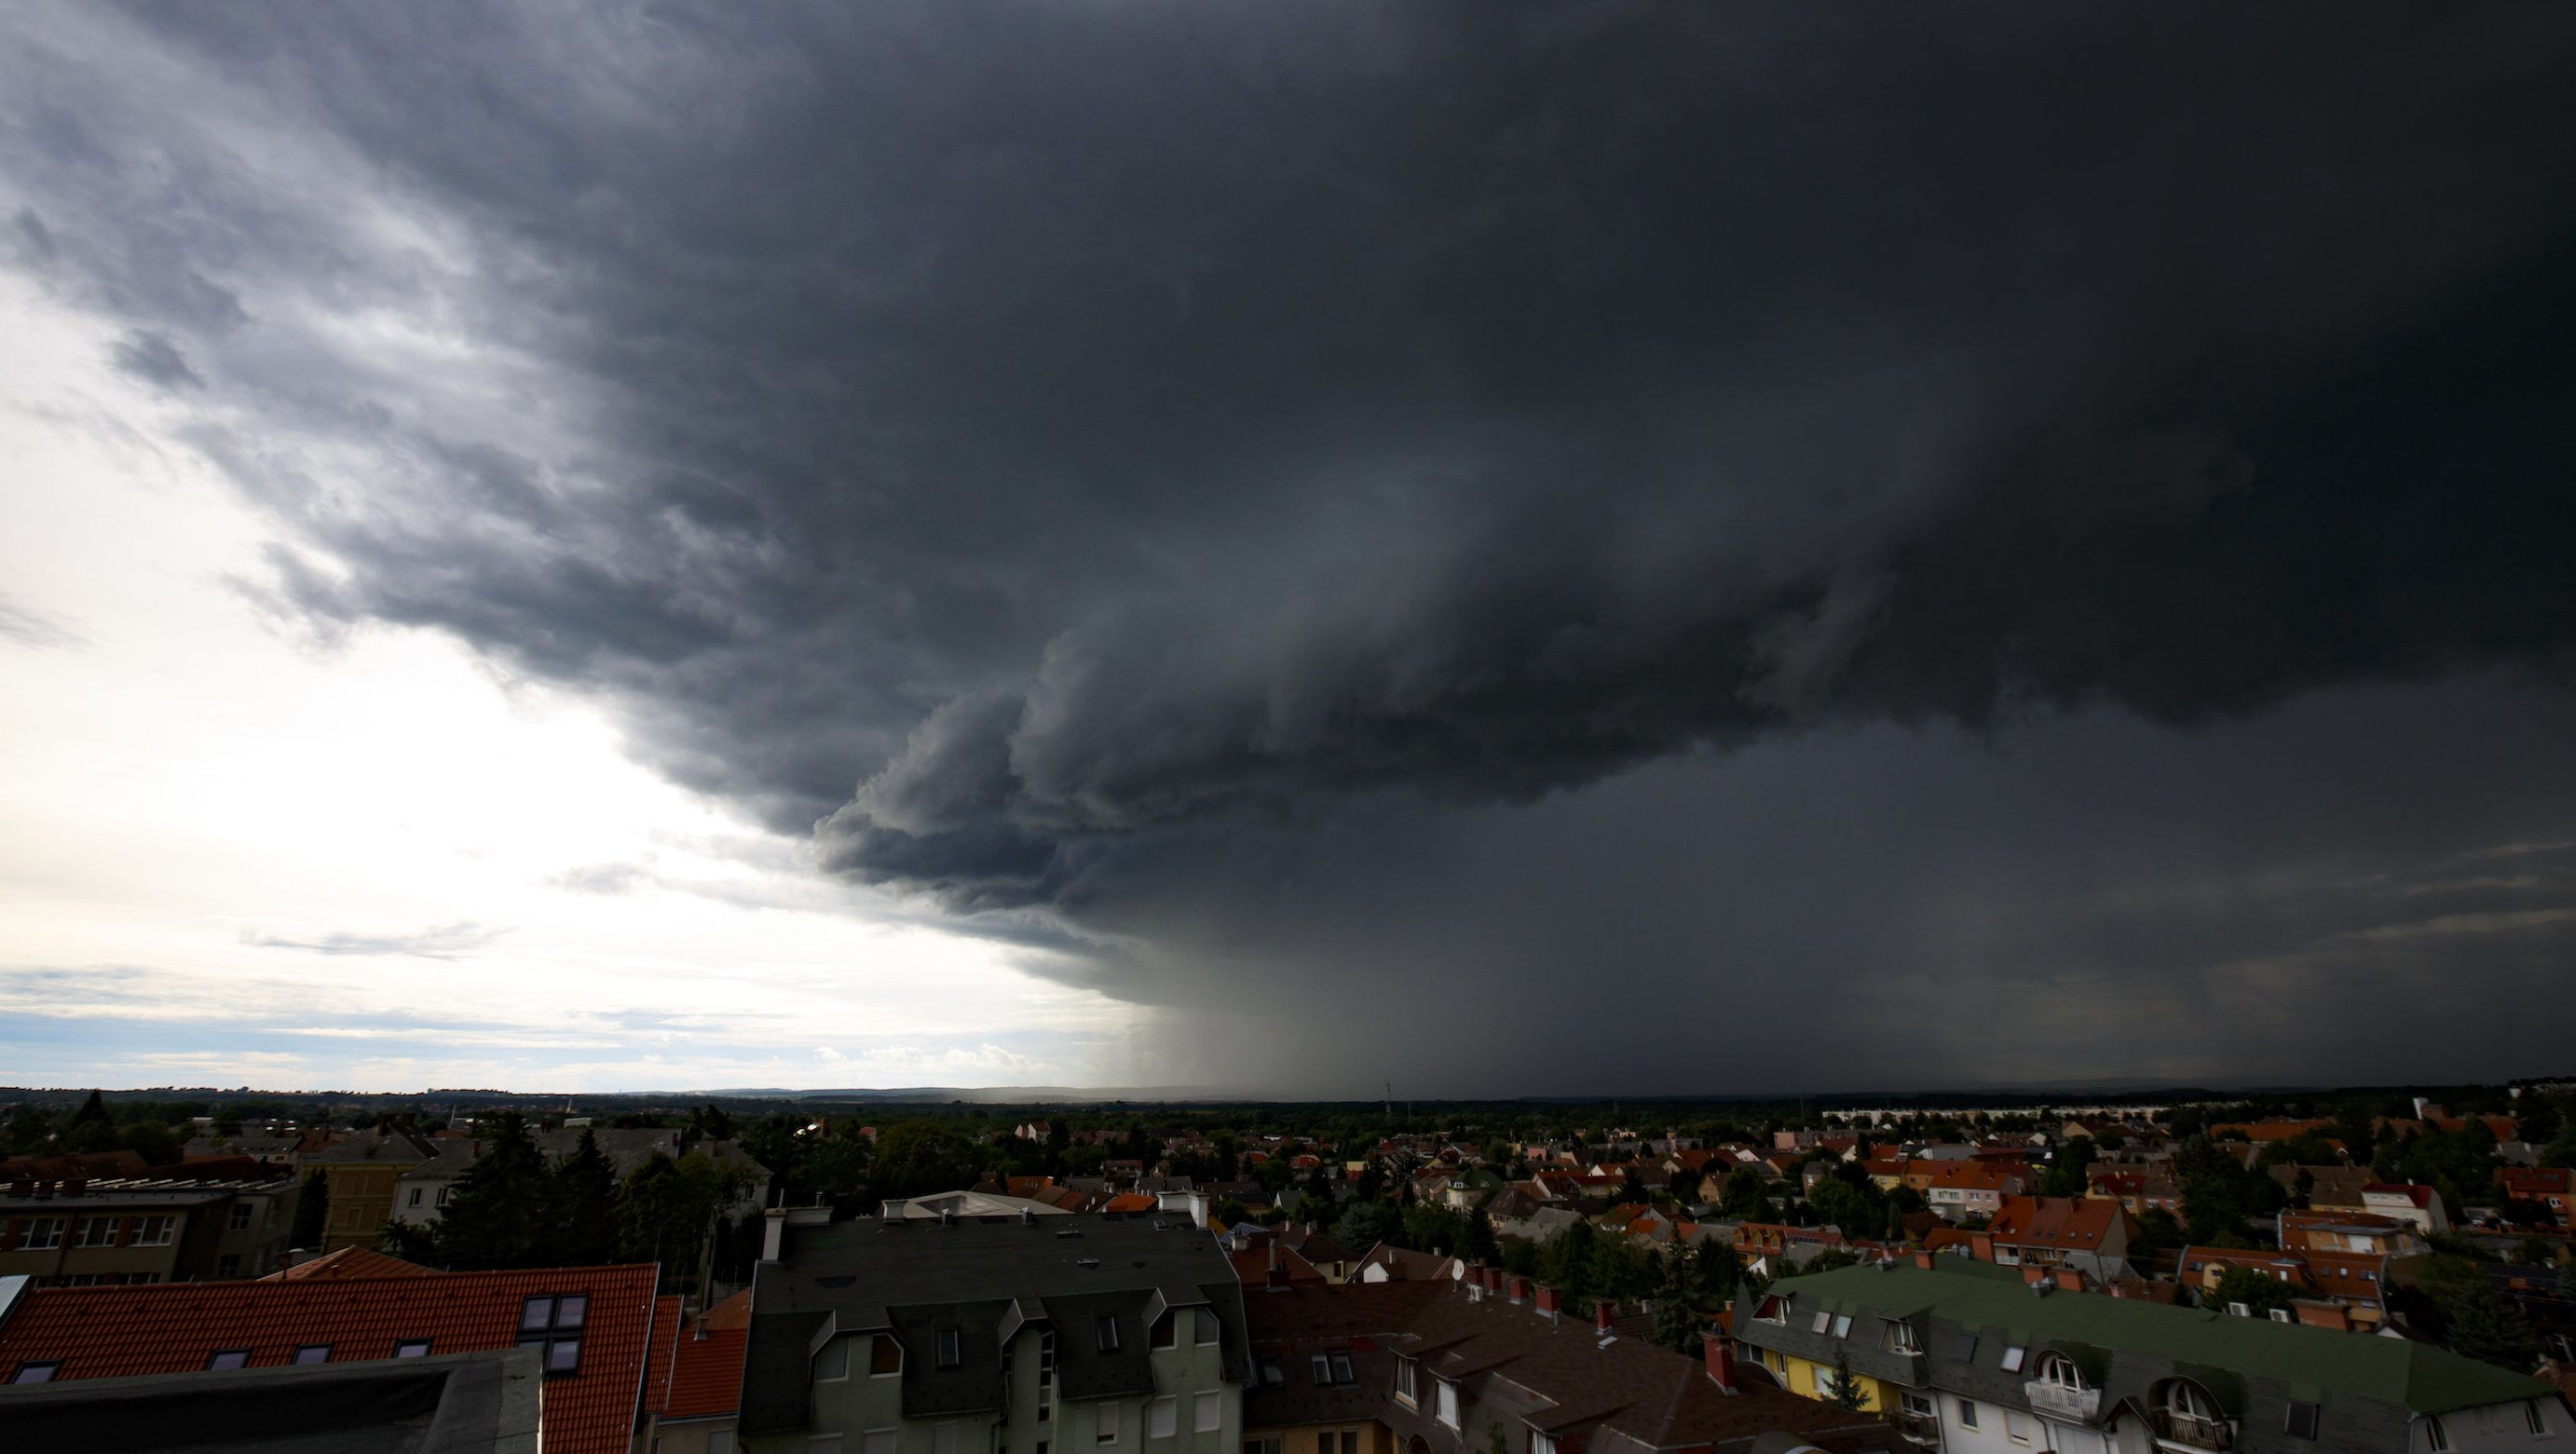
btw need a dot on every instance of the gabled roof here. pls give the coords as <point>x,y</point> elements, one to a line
<point>346,1263</point>
<point>2424,1378</point>
<point>115,1332</point>
<point>2076,1222</point>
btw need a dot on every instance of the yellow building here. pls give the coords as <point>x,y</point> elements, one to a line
<point>361,1173</point>
<point>1808,1378</point>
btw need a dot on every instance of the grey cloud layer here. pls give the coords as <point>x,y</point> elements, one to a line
<point>1183,461</point>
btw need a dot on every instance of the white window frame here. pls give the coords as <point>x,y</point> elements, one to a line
<point>2014,1355</point>
<point>1207,1412</point>
<point>1206,1330</point>
<point>2436,1438</point>
<point>2535,1420</point>
<point>1104,1422</point>
<point>1163,1416</point>
<point>1404,1383</point>
<point>869,1441</point>
<point>2059,1371</point>
<point>1823,1321</point>
<point>943,1438</point>
<point>166,1226</point>
<point>1842,1325</point>
<point>2016,1425</point>
<point>1899,1337</point>
<point>1448,1404</point>
<point>44,1234</point>
<point>1965,1410</point>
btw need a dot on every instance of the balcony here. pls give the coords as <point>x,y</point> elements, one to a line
<point>2191,1431</point>
<point>1918,1428</point>
<point>2057,1401</point>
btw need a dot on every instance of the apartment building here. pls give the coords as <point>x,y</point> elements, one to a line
<point>147,1229</point>
<point>363,1174</point>
<point>1097,1332</point>
<point>1969,1359</point>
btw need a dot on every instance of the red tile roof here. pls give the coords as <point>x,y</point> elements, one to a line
<point>706,1374</point>
<point>2056,1221</point>
<point>346,1263</point>
<point>657,1360</point>
<point>115,1332</point>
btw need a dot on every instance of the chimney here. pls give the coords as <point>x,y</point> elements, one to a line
<point>1603,1311</point>
<point>1028,1216</point>
<point>773,1233</point>
<point>1494,1279</point>
<point>2032,1276</point>
<point>2069,1280</point>
<point>1923,1260</point>
<point>1981,1246</point>
<point>1549,1301</point>
<point>948,1216</point>
<point>1720,1357</point>
<point>1520,1287</point>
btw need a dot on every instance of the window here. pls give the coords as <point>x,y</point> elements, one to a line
<point>45,1233</point>
<point>1210,1414</point>
<point>415,1198</point>
<point>1967,1413</point>
<point>885,1356</point>
<point>1164,1335</point>
<point>1350,1441</point>
<point>1448,1411</point>
<point>1272,1376</point>
<point>2016,1428</point>
<point>881,1441</point>
<point>1266,1444</point>
<point>1046,1375</point>
<point>1108,1327</point>
<point>1542,1443</point>
<point>833,1363</point>
<point>442,1201</point>
<point>1917,1404</point>
<point>1824,1320</point>
<point>2013,1356</point>
<point>1898,1338</point>
<point>948,1353</point>
<point>943,1438</point>
<point>1104,1423</point>
<point>1209,1330</point>
<point>1162,1417</point>
<point>154,1231</point>
<point>2188,1400</point>
<point>1965,1349</point>
<point>36,1372</point>
<point>719,1441</point>
<point>552,1325</point>
<point>2058,1370</point>
<point>240,1218</point>
<point>229,1358</point>
<point>96,1232</point>
<point>2537,1421</point>
<point>1842,1326</point>
<point>2302,1421</point>
<point>1404,1380</point>
<point>2436,1438</point>
<point>313,1353</point>
<point>1319,1370</point>
<point>228,1265</point>
<point>1774,1309</point>
<point>1342,1369</point>
<point>412,1348</point>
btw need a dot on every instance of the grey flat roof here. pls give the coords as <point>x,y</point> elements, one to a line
<point>458,1403</point>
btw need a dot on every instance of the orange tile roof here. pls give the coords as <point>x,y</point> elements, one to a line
<point>2055,1221</point>
<point>657,1361</point>
<point>733,1312</point>
<point>346,1263</point>
<point>116,1332</point>
<point>706,1374</point>
<point>1132,1201</point>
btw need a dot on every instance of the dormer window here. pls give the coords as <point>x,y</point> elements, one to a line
<point>1108,1327</point>
<point>1165,1333</point>
<point>948,1354</point>
<point>412,1348</point>
<point>2059,1371</point>
<point>228,1359</point>
<point>1774,1309</point>
<point>1899,1338</point>
<point>553,1326</point>
<point>1404,1381</point>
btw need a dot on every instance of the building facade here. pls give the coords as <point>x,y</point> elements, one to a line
<point>142,1230</point>
<point>1969,1359</point>
<point>1102,1333</point>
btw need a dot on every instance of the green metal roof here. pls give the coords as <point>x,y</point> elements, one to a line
<point>2430,1380</point>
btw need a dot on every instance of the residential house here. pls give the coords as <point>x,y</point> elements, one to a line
<point>693,1378</point>
<point>2553,1187</point>
<point>149,1229</point>
<point>1330,1258</point>
<point>363,1173</point>
<point>590,1326</point>
<point>2408,1202</point>
<point>276,1150</point>
<point>1387,1262</point>
<point>2347,1232</point>
<point>1021,1336</point>
<point>2328,1187</point>
<point>1970,1360</point>
<point>2135,1189</point>
<point>2088,1235</point>
<point>1963,1189</point>
<point>1485,1361</point>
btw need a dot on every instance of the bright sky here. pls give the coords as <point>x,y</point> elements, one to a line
<point>235,854</point>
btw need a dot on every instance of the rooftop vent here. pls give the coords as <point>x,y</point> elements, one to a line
<point>1070,1232</point>
<point>1086,1262</point>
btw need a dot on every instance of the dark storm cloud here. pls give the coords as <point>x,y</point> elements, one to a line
<point>1187,465</point>
<point>156,361</point>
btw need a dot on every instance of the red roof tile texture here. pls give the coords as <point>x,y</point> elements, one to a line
<point>115,1332</point>
<point>346,1263</point>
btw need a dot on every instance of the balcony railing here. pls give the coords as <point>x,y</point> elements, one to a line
<point>1919,1428</point>
<point>2060,1402</point>
<point>2192,1431</point>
